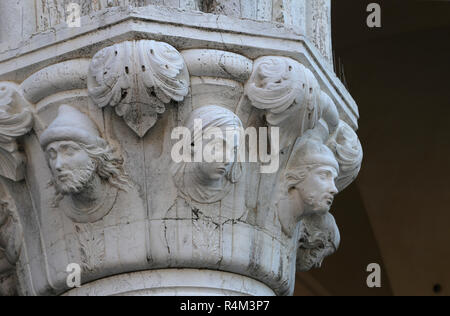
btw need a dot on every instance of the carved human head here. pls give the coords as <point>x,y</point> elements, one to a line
<point>319,238</point>
<point>310,177</point>
<point>220,136</point>
<point>75,153</point>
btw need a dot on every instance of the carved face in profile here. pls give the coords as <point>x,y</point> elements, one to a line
<point>316,190</point>
<point>310,179</point>
<point>71,166</point>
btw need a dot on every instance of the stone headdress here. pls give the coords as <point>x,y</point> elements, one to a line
<point>72,125</point>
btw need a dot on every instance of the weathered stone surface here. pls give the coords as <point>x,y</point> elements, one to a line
<point>94,112</point>
<point>167,282</point>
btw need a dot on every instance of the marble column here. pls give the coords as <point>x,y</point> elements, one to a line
<point>103,167</point>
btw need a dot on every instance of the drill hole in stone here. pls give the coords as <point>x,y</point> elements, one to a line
<point>127,70</point>
<point>124,94</point>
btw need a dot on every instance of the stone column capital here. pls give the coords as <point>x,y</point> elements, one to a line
<point>161,146</point>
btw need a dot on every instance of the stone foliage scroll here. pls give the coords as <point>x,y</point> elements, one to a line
<point>16,120</point>
<point>291,96</point>
<point>138,78</point>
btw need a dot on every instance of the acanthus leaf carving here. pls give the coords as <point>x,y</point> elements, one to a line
<point>347,149</point>
<point>291,97</point>
<point>92,246</point>
<point>138,78</point>
<point>16,120</point>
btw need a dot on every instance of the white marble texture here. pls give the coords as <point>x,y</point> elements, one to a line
<point>174,282</point>
<point>86,122</point>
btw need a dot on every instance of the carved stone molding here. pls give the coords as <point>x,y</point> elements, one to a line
<point>138,78</point>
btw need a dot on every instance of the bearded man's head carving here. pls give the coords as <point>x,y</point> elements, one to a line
<point>77,155</point>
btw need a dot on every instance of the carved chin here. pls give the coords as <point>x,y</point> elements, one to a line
<point>69,186</point>
<point>74,182</point>
<point>315,205</point>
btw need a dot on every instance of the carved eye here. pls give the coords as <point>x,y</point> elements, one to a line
<point>69,151</point>
<point>51,154</point>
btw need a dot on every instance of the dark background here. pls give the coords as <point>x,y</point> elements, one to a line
<point>397,213</point>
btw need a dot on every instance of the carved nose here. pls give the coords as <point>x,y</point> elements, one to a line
<point>58,164</point>
<point>334,190</point>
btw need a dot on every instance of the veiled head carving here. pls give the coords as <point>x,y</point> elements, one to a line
<point>138,78</point>
<point>209,182</point>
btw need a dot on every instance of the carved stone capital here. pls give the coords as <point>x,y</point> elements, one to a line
<point>119,124</point>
